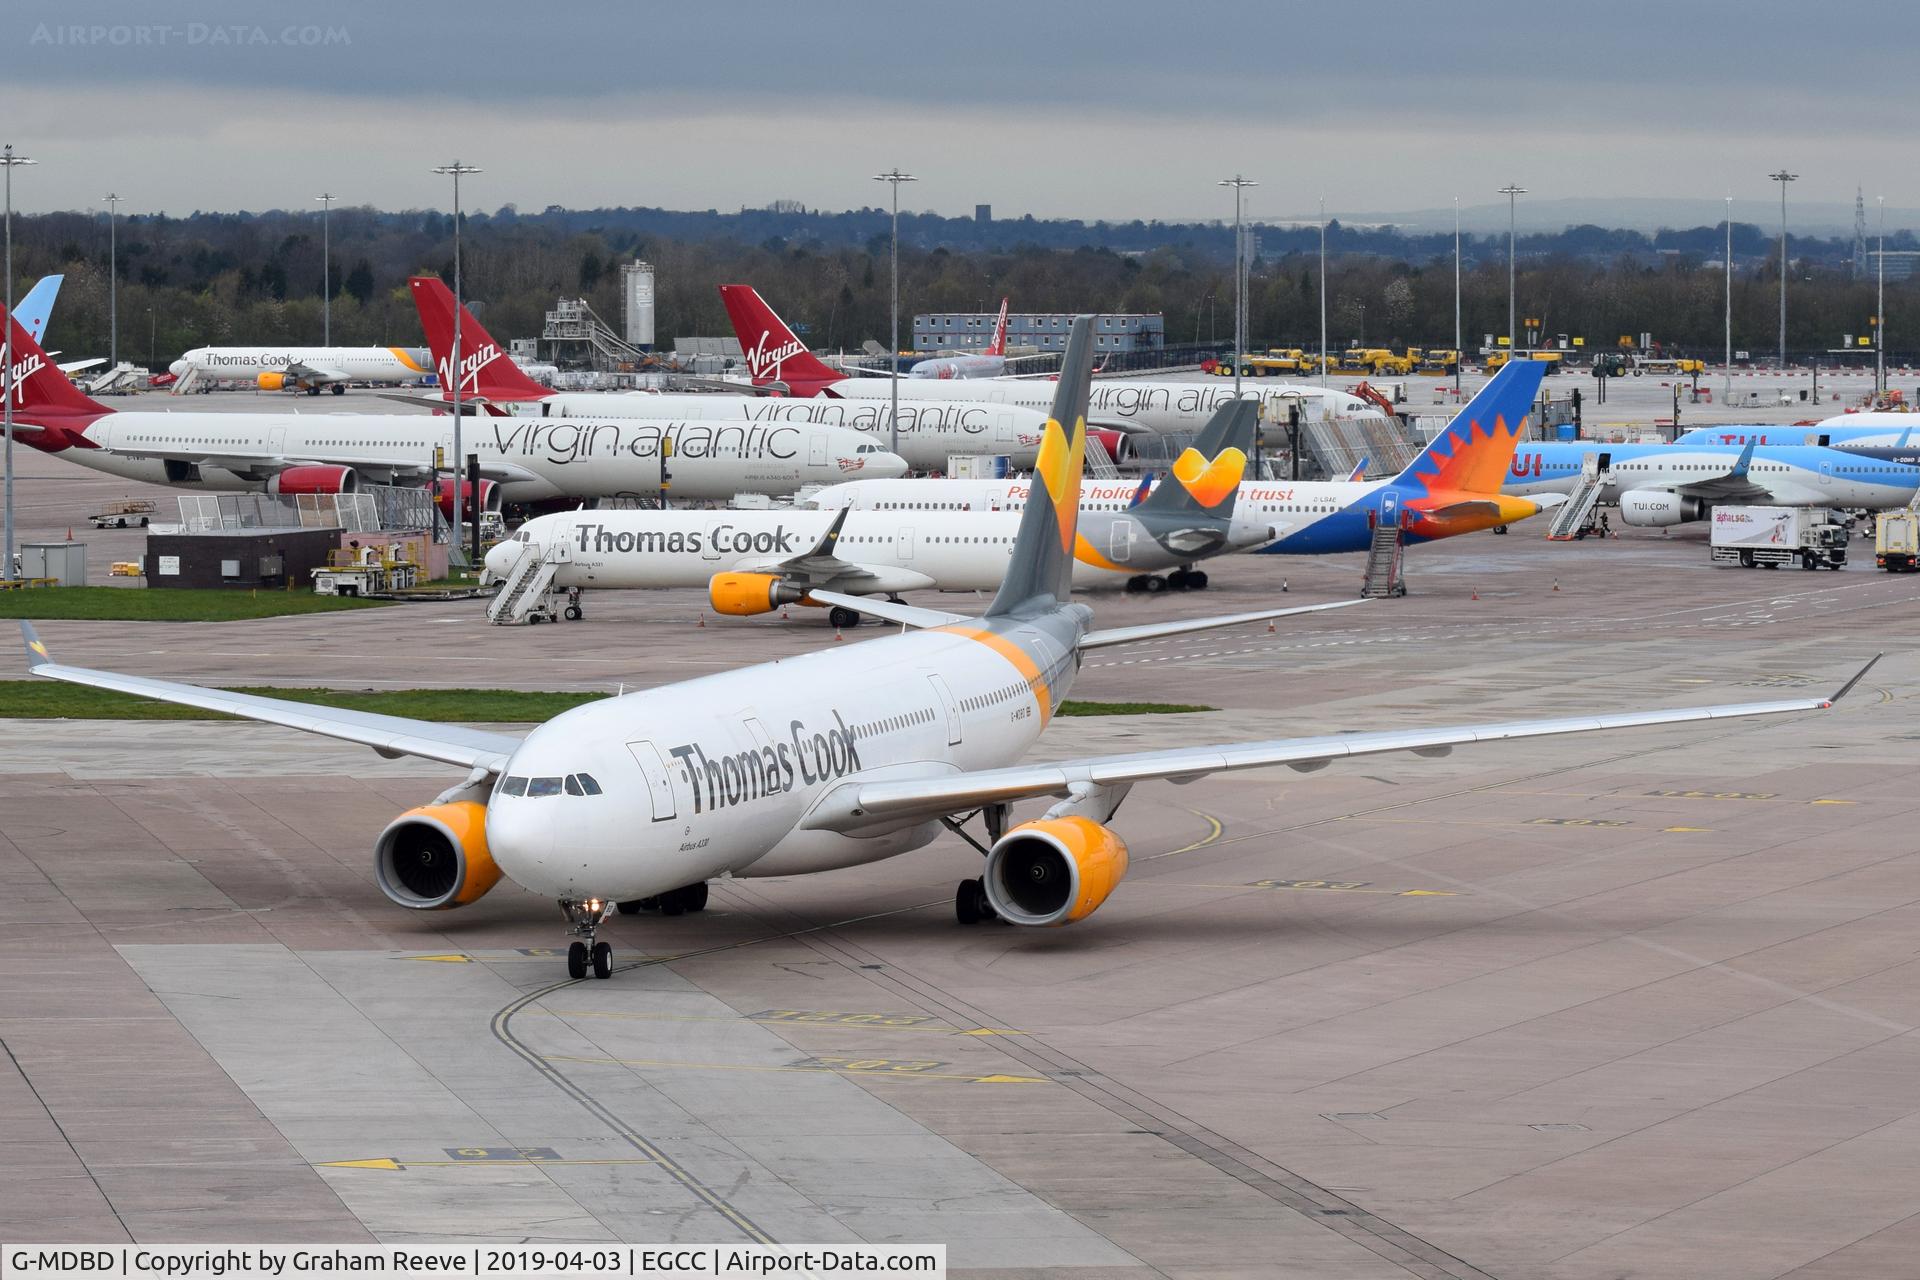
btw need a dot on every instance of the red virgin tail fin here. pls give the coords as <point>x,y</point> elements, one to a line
<point>486,372</point>
<point>40,390</point>
<point>773,353</point>
<point>998,347</point>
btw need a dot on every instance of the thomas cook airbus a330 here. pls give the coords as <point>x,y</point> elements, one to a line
<point>831,759</point>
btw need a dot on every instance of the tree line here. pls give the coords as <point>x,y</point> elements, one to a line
<point>241,278</point>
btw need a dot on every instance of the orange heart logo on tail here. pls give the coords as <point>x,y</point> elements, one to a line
<point>1210,482</point>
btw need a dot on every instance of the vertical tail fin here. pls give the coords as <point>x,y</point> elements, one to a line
<point>1040,567</point>
<point>998,347</point>
<point>773,353</point>
<point>40,390</point>
<point>1206,477</point>
<point>486,372</point>
<point>37,307</point>
<point>1474,451</point>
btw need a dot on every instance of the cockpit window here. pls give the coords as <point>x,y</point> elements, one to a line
<point>543,787</point>
<point>588,785</point>
<point>573,785</point>
<point>514,787</point>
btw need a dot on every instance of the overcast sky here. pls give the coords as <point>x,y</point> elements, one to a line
<point>1121,109</point>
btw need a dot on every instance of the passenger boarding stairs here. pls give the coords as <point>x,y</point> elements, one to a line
<point>1383,563</point>
<point>527,583</point>
<point>1099,463</point>
<point>1576,513</point>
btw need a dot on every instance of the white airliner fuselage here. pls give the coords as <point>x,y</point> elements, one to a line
<point>1150,405</point>
<point>531,459</point>
<point>271,368</point>
<point>931,431</point>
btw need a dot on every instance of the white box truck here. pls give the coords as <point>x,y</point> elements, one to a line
<point>1896,541</point>
<point>1772,536</point>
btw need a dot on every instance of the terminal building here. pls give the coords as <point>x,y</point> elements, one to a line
<point>950,332</point>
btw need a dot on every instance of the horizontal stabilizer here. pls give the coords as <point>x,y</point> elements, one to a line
<point>1154,630</point>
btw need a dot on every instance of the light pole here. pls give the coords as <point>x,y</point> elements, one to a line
<point>1456,297</point>
<point>1511,191</point>
<point>152,345</point>
<point>113,280</point>
<point>8,161</point>
<point>326,199</point>
<point>1783,178</point>
<point>894,178</point>
<point>1239,185</point>
<point>1726,382</point>
<point>1880,310</point>
<point>456,170</point>
<point>1323,291</point>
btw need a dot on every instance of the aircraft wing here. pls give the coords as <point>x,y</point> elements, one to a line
<point>390,736</point>
<point>301,371</point>
<point>857,805</point>
<point>80,366</point>
<point>821,566</point>
<point>1731,487</point>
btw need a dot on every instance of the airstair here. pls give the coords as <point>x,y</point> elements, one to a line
<point>1576,513</point>
<point>1383,563</point>
<point>1099,463</point>
<point>527,582</point>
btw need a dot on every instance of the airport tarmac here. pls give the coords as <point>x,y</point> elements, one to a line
<point>1635,1004</point>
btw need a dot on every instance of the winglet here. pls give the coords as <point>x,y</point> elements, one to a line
<point>1745,460</point>
<point>831,538</point>
<point>37,655</point>
<point>1859,675</point>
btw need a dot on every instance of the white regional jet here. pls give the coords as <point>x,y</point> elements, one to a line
<point>305,369</point>
<point>830,759</point>
<point>931,431</point>
<point>521,460</point>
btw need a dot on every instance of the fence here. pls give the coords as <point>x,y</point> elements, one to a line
<point>371,510</point>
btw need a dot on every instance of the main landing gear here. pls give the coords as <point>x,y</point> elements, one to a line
<point>675,902</point>
<point>583,921</point>
<point>970,904</point>
<point>1179,580</point>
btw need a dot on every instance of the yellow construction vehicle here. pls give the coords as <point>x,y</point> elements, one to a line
<point>1279,362</point>
<point>1497,360</point>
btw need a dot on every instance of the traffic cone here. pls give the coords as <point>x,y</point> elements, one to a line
<point>1283,586</point>
<point>1269,626</point>
<point>837,635</point>
<point>703,619</point>
<point>1476,593</point>
<point>69,533</point>
<point>1556,584</point>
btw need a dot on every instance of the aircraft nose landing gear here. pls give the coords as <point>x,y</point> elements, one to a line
<point>583,921</point>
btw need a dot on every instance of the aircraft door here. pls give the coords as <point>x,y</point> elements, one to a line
<point>1389,510</point>
<point>277,442</point>
<point>817,449</point>
<point>1003,428</point>
<point>710,541</point>
<point>906,543</point>
<point>1120,544</point>
<point>659,781</point>
<point>1826,472</point>
<point>945,695</point>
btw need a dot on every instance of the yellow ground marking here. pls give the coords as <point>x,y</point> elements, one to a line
<point>837,1022</point>
<point>1214,831</point>
<point>1833,802</point>
<point>449,958</point>
<point>800,1068</point>
<point>1717,795</point>
<point>1685,829</point>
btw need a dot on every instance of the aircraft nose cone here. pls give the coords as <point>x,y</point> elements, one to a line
<point>501,559</point>
<point>885,466</point>
<point>178,368</point>
<point>520,838</point>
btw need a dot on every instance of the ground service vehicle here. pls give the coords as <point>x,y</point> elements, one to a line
<point>1280,362</point>
<point>1438,360</point>
<point>1896,541</point>
<point>1497,360</point>
<point>1772,536</point>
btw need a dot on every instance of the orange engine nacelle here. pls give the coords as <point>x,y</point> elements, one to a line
<point>435,858</point>
<point>742,595</point>
<point>1054,871</point>
<point>271,381</point>
<point>315,480</point>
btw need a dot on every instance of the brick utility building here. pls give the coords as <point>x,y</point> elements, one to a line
<point>950,332</point>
